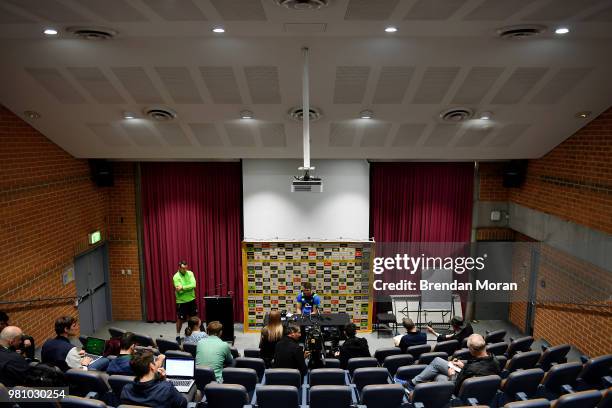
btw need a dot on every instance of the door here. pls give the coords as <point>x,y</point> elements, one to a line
<point>91,276</point>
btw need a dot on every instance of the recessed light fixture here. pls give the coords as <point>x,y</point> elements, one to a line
<point>391,29</point>
<point>31,114</point>
<point>583,114</point>
<point>486,115</point>
<point>129,115</point>
<point>562,30</point>
<point>366,114</point>
<point>246,114</point>
<point>218,30</point>
<point>50,31</point>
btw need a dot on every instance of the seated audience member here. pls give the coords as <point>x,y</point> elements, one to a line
<point>26,347</point>
<point>353,346</point>
<point>461,330</point>
<point>288,353</point>
<point>59,351</point>
<point>413,336</point>
<point>214,352</point>
<point>150,387</point>
<point>479,365</point>
<point>192,331</point>
<point>270,335</point>
<point>121,364</point>
<point>13,366</point>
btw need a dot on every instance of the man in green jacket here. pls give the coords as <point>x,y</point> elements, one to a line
<point>184,288</point>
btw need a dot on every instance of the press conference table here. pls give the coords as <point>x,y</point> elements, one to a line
<point>323,319</point>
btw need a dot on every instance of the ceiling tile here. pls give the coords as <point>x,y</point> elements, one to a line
<point>508,135</point>
<point>140,134</point>
<point>172,134</point>
<point>562,83</point>
<point>221,84</point>
<point>138,84</point>
<point>273,135</point>
<point>51,10</point>
<point>560,10</point>
<point>497,10</point>
<point>172,10</point>
<point>108,135</point>
<point>56,85</point>
<point>600,15</point>
<point>96,84</point>
<point>113,10</point>
<point>441,135</point>
<point>435,84</point>
<point>409,134</point>
<point>179,84</point>
<point>350,84</point>
<point>240,10</point>
<point>240,135</point>
<point>375,134</point>
<point>263,84</point>
<point>370,10</point>
<point>206,134</point>
<point>341,134</point>
<point>473,137</point>
<point>477,84</point>
<point>433,9</point>
<point>392,85</point>
<point>518,85</point>
<point>8,16</point>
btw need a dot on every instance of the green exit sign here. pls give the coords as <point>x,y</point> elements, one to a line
<point>95,237</point>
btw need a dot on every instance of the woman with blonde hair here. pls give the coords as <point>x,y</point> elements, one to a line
<point>270,335</point>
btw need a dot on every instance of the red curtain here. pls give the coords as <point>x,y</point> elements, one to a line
<point>421,202</point>
<point>192,212</point>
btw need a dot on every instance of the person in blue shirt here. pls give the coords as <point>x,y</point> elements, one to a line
<point>413,336</point>
<point>307,301</point>
<point>121,364</point>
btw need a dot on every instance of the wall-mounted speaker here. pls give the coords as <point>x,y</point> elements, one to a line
<point>514,173</point>
<point>101,172</point>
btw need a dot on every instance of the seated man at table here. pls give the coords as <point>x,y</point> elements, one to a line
<point>307,301</point>
<point>214,352</point>
<point>413,336</point>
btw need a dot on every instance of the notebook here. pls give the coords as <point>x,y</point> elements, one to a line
<point>180,372</point>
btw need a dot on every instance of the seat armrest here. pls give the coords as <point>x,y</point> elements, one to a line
<point>192,404</point>
<point>521,396</point>
<point>305,389</point>
<point>584,359</point>
<point>92,395</point>
<point>566,389</point>
<point>607,381</point>
<point>418,405</point>
<point>472,401</point>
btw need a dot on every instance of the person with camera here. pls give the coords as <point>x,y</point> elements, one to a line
<point>288,353</point>
<point>13,366</point>
<point>26,347</point>
<point>307,302</point>
<point>352,347</point>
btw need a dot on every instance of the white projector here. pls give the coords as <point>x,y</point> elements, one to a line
<point>307,186</point>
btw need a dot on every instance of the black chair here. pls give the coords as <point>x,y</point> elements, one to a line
<point>116,332</point>
<point>203,376</point>
<point>521,385</point>
<point>117,382</point>
<point>594,371</point>
<point>370,375</point>
<point>392,363</point>
<point>83,340</point>
<point>234,351</point>
<point>521,344</point>
<point>382,353</point>
<point>274,396</point>
<point>416,351</point>
<point>494,336</point>
<point>464,343</point>
<point>385,319</point>
<point>93,384</point>
<point>283,376</point>
<point>4,394</point>
<point>252,352</point>
<point>535,403</point>
<point>553,355</point>
<point>359,362</point>
<point>463,354</point>
<point>330,396</point>
<point>497,349</point>
<point>583,399</point>
<point>382,396</point>
<point>256,364</point>
<point>432,395</point>
<point>72,401</point>
<point>409,372</point>
<point>226,395</point>
<point>165,345</point>
<point>479,390</point>
<point>427,358</point>
<point>606,399</point>
<point>326,376</point>
<point>247,377</point>
<point>178,354</point>
<point>448,347</point>
<point>144,340</point>
<point>190,348</point>
<point>521,361</point>
<point>331,363</point>
<point>560,379</point>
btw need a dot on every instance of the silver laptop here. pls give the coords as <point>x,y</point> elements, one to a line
<point>180,372</point>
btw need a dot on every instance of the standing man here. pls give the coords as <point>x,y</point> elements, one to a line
<point>184,287</point>
<point>307,301</point>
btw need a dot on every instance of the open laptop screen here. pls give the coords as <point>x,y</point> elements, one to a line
<point>180,367</point>
<point>95,346</point>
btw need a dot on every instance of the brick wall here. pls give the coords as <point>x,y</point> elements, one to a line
<point>490,182</point>
<point>48,205</point>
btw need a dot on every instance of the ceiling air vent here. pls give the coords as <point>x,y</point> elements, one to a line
<point>297,114</point>
<point>160,114</point>
<point>518,32</point>
<point>455,115</point>
<point>93,33</point>
<point>302,4</point>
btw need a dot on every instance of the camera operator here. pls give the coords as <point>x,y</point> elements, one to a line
<point>288,353</point>
<point>26,346</point>
<point>13,366</point>
<point>353,346</point>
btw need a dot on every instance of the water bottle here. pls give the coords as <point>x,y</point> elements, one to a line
<point>307,309</point>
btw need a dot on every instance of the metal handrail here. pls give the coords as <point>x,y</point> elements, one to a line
<point>11,302</point>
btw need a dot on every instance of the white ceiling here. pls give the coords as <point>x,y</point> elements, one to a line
<point>445,54</point>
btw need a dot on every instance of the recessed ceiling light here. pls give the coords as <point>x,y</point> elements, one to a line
<point>391,29</point>
<point>366,114</point>
<point>50,31</point>
<point>486,115</point>
<point>31,114</point>
<point>218,30</point>
<point>246,114</point>
<point>562,30</point>
<point>128,115</point>
<point>583,114</point>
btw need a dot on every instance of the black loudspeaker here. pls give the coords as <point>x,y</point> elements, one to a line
<point>514,173</point>
<point>102,172</point>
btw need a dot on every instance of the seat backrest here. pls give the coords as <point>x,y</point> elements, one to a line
<point>552,355</point>
<point>72,401</point>
<point>382,353</point>
<point>497,349</point>
<point>392,363</point>
<point>416,351</point>
<point>203,376</point>
<point>521,344</point>
<point>326,376</point>
<point>370,375</point>
<point>433,394</point>
<point>331,363</point>
<point>116,331</point>
<point>164,345</point>
<point>83,340</point>
<point>190,348</point>
<point>526,381</point>
<point>462,354</point>
<point>384,304</point>
<point>561,374</point>
<point>482,389</point>
<point>256,364</point>
<point>595,369</point>
<point>144,340</point>
<point>117,382</point>
<point>81,382</point>
<point>382,395</point>
<point>535,403</point>
<point>448,347</point>
<point>178,353</point>
<point>252,352</point>
<point>409,372</point>
<point>523,361</point>
<point>4,395</point>
<point>495,336</point>
<point>283,376</point>
<point>274,396</point>
<point>359,362</point>
<point>234,351</point>
<point>584,399</point>
<point>427,358</point>
<point>330,396</point>
<point>226,395</point>
<point>246,377</point>
<point>606,399</point>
